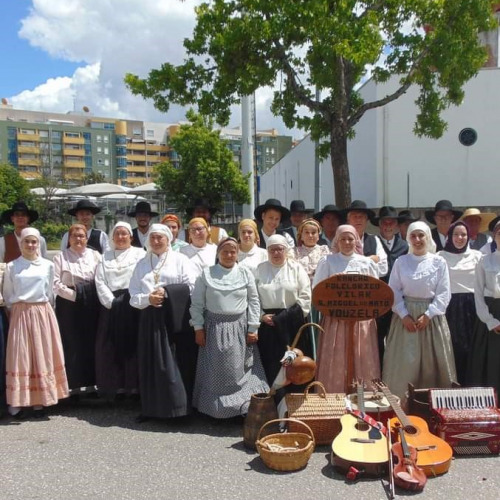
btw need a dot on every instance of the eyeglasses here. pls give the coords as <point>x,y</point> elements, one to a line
<point>197,229</point>
<point>276,249</point>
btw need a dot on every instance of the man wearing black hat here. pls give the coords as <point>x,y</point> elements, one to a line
<point>443,216</point>
<point>20,216</point>
<point>405,218</point>
<point>84,212</point>
<point>394,246</point>
<point>330,219</point>
<point>143,215</point>
<point>298,214</point>
<point>268,217</point>
<point>202,208</point>
<point>357,215</point>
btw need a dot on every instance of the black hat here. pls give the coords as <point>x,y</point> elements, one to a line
<point>201,202</point>
<point>359,206</point>
<point>271,204</point>
<point>19,206</point>
<point>386,212</point>
<point>406,216</point>
<point>84,204</point>
<point>299,206</point>
<point>328,209</point>
<point>442,205</point>
<point>143,207</point>
<point>493,223</point>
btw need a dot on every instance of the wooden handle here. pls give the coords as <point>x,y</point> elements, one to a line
<point>297,337</point>
<point>277,420</point>
<point>321,394</point>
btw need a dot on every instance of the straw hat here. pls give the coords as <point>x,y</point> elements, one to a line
<point>486,217</point>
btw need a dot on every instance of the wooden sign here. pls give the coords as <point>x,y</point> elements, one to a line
<point>352,297</point>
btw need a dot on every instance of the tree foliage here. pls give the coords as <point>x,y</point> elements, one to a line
<point>205,167</point>
<point>93,178</point>
<point>12,187</point>
<point>240,45</point>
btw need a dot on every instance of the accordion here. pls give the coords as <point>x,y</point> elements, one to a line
<point>467,419</point>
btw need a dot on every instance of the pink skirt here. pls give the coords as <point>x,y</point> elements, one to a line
<point>331,363</point>
<point>35,373</point>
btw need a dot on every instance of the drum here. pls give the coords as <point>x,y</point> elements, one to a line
<point>376,405</point>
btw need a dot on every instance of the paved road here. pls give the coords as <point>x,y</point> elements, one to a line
<point>95,450</point>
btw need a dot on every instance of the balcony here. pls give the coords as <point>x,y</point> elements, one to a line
<point>28,137</point>
<point>136,146</point>
<point>29,162</point>
<point>74,164</point>
<point>73,140</point>
<point>136,169</point>
<point>28,149</point>
<point>73,152</point>
<point>136,158</point>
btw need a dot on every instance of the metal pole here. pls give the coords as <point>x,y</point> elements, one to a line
<point>247,145</point>
<point>317,169</point>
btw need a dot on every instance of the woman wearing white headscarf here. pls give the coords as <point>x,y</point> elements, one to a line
<point>116,341</point>
<point>161,383</point>
<point>285,297</point>
<point>35,361</point>
<point>419,348</point>
<point>346,258</point>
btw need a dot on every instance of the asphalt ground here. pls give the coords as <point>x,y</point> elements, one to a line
<point>95,449</point>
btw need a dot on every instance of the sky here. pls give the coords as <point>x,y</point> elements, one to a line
<point>61,55</point>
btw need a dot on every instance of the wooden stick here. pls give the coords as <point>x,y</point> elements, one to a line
<point>391,463</point>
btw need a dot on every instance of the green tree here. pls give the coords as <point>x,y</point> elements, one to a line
<point>12,187</point>
<point>205,167</point>
<point>93,178</point>
<point>329,45</point>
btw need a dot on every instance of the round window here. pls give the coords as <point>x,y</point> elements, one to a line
<point>467,136</point>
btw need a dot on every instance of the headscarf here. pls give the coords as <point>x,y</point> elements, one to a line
<point>253,225</point>
<point>494,243</point>
<point>307,222</point>
<point>277,239</point>
<point>158,228</point>
<point>171,217</point>
<point>226,241</point>
<point>126,225</point>
<point>202,221</point>
<point>421,226</point>
<point>347,228</point>
<point>450,245</point>
<point>31,231</point>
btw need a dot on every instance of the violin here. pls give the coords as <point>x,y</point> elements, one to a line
<point>406,473</point>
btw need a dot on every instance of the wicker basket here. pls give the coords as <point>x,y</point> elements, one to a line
<point>286,451</point>
<point>320,411</point>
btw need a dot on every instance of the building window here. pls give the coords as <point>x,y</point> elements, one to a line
<point>106,163</point>
<point>150,133</point>
<point>99,149</point>
<point>106,139</point>
<point>99,138</point>
<point>106,151</point>
<point>137,131</point>
<point>72,134</point>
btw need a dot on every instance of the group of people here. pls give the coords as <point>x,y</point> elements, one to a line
<point>189,317</point>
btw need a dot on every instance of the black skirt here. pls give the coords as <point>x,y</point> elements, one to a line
<point>78,325</point>
<point>163,394</point>
<point>461,317</point>
<point>484,366</point>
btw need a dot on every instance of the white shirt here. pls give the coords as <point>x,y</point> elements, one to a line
<point>282,287</point>
<point>230,291</point>
<point>462,268</point>
<point>253,257</point>
<point>114,272</point>
<point>155,271</point>
<point>487,284</point>
<point>72,268</point>
<point>338,263</point>
<point>383,266</point>
<point>421,277</point>
<point>28,281</point>
<point>103,240</point>
<point>200,257</point>
<point>43,246</point>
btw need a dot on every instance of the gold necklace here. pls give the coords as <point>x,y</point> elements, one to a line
<point>156,272</point>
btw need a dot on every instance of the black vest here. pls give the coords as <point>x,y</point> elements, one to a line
<point>399,247</point>
<point>437,240</point>
<point>369,245</point>
<point>261,237</point>
<point>136,242</point>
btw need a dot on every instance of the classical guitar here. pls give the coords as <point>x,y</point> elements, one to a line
<point>433,453</point>
<point>359,444</point>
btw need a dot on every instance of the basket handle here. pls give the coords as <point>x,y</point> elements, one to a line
<point>277,420</point>
<point>321,394</point>
<point>299,333</point>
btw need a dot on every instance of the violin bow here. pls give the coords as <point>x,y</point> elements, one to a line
<point>392,493</point>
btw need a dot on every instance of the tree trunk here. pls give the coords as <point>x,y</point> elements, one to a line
<point>340,167</point>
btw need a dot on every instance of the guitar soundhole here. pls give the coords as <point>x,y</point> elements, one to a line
<point>409,429</point>
<point>362,426</point>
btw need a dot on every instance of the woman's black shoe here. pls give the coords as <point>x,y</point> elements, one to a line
<point>20,415</point>
<point>40,414</point>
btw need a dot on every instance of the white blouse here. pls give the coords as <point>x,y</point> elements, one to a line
<point>282,287</point>
<point>114,272</point>
<point>462,268</point>
<point>338,263</point>
<point>155,271</point>
<point>72,268</point>
<point>253,257</point>
<point>230,291</point>
<point>28,281</point>
<point>200,257</point>
<point>487,284</point>
<point>421,277</point>
<point>309,257</point>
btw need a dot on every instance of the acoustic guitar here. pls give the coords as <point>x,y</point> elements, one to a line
<point>433,453</point>
<point>359,444</point>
